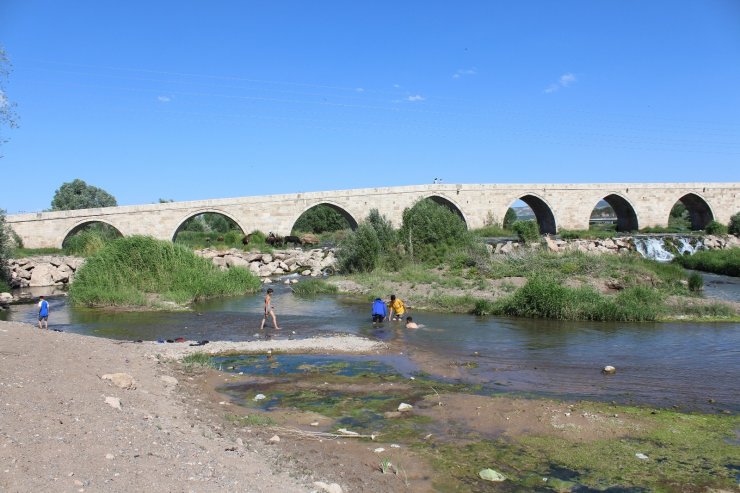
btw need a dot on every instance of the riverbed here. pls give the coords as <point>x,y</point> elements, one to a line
<point>690,366</point>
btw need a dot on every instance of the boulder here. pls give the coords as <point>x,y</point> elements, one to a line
<point>266,258</point>
<point>609,370</point>
<point>113,402</point>
<point>507,248</point>
<point>5,298</point>
<point>121,380</point>
<point>219,262</point>
<point>254,268</point>
<point>168,380</point>
<point>42,275</point>
<point>234,261</point>
<point>551,245</point>
<point>306,272</point>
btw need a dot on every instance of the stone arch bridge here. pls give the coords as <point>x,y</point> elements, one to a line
<point>556,206</point>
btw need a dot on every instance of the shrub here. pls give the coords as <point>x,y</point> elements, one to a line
<point>547,297</point>
<point>384,230</point>
<point>6,252</point>
<point>734,227</point>
<point>90,239</point>
<point>312,287</point>
<point>726,262</point>
<point>528,231</point>
<point>696,282</point>
<point>141,271</point>
<point>360,250</point>
<point>320,219</point>
<point>430,231</point>
<point>715,228</point>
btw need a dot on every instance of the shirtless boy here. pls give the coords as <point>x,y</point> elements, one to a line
<point>269,311</point>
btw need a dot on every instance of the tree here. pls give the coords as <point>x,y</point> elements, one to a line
<point>79,195</point>
<point>320,219</point>
<point>429,230</point>
<point>8,116</point>
<point>6,251</point>
<point>360,251</point>
<point>383,228</point>
<point>510,218</point>
<point>734,227</point>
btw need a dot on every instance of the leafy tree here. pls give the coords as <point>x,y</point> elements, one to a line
<point>510,218</point>
<point>715,228</point>
<point>429,230</point>
<point>528,231</point>
<point>320,219</point>
<point>6,251</point>
<point>8,116</point>
<point>383,228</point>
<point>734,227</point>
<point>360,250</point>
<point>79,195</point>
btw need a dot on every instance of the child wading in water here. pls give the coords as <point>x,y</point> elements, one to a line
<point>269,311</point>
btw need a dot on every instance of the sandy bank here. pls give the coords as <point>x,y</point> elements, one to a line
<point>329,344</point>
<point>57,433</point>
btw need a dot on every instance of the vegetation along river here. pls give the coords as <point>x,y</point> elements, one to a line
<point>695,366</point>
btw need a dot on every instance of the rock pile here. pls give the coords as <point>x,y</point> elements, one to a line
<point>47,270</point>
<point>622,244</point>
<point>314,263</point>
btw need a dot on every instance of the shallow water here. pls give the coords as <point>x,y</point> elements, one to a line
<point>663,364</point>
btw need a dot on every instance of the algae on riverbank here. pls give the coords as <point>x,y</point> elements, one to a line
<point>142,271</point>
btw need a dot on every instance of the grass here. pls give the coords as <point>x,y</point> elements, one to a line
<point>30,252</point>
<point>197,360</point>
<point>142,271</point>
<point>546,297</point>
<point>494,231</point>
<point>725,262</point>
<point>686,452</point>
<point>313,287</point>
<point>589,234</point>
<point>250,420</point>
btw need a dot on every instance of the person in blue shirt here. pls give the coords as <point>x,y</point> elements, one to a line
<point>380,311</point>
<point>43,313</point>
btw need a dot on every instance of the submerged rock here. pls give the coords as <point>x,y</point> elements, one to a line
<point>609,370</point>
<point>491,475</point>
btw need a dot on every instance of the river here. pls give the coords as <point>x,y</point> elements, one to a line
<point>694,366</point>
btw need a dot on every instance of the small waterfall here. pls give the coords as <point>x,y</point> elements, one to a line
<point>665,248</point>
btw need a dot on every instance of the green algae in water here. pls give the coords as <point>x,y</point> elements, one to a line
<point>686,452</point>
<point>300,364</point>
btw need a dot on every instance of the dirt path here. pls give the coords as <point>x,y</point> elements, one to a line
<point>57,433</point>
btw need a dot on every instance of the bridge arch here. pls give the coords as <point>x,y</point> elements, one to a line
<point>80,225</point>
<point>181,222</point>
<point>333,205</point>
<point>700,212</point>
<point>450,204</point>
<point>624,210</point>
<point>542,212</point>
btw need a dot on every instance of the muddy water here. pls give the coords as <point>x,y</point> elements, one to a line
<point>690,365</point>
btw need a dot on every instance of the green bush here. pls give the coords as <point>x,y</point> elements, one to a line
<point>528,231</point>
<point>430,231</point>
<point>320,219</point>
<point>734,227</point>
<point>547,297</point>
<point>90,239</point>
<point>696,282</point>
<point>715,228</point>
<point>142,271</point>
<point>6,251</point>
<point>312,287</point>
<point>359,251</point>
<point>383,228</point>
<point>591,234</point>
<point>726,262</point>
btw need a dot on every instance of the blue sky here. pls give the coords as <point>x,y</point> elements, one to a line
<point>194,100</point>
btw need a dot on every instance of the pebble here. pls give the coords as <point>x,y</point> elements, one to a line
<point>274,439</point>
<point>379,450</point>
<point>259,397</point>
<point>110,456</point>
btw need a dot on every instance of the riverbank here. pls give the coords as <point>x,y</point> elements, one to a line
<point>597,282</point>
<point>180,428</point>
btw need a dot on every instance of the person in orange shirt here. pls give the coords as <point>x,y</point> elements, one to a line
<point>396,308</point>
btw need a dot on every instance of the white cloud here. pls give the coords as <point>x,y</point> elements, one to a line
<point>359,89</point>
<point>396,86</point>
<point>415,97</point>
<point>463,72</point>
<point>565,80</point>
<point>164,99</point>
